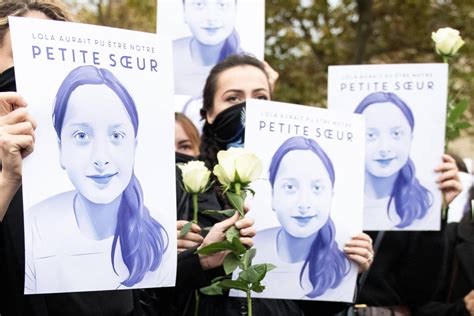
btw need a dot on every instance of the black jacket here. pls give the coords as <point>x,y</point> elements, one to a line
<point>405,269</point>
<point>457,279</point>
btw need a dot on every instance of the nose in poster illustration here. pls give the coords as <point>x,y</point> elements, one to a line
<point>309,202</point>
<point>405,110</point>
<point>99,211</point>
<point>205,32</point>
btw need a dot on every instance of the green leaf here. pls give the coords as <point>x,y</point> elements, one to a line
<point>256,273</point>
<point>232,233</point>
<point>253,274</point>
<point>213,289</point>
<point>236,201</point>
<point>258,287</point>
<point>239,247</point>
<point>186,228</point>
<point>234,284</point>
<point>248,256</point>
<point>231,262</point>
<point>457,110</point>
<point>216,247</point>
<point>270,266</point>
<point>462,125</point>
<point>227,213</point>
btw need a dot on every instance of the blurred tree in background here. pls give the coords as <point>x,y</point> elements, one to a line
<point>304,37</point>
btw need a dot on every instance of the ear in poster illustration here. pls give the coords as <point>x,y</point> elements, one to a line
<point>205,32</point>
<point>304,213</point>
<point>98,222</point>
<point>403,144</point>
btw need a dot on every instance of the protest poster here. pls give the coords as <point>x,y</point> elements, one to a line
<point>308,203</point>
<point>98,190</point>
<point>405,110</point>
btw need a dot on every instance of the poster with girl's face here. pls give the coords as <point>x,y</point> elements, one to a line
<point>204,32</point>
<point>405,110</point>
<point>308,203</point>
<point>98,190</point>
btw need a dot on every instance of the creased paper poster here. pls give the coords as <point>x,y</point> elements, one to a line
<point>98,190</point>
<point>205,32</point>
<point>405,110</point>
<point>308,203</point>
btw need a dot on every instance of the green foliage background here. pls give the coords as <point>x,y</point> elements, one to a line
<point>304,37</point>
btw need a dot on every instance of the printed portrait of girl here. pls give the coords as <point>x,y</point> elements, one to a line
<point>211,23</point>
<point>309,262</point>
<point>394,197</point>
<point>99,235</point>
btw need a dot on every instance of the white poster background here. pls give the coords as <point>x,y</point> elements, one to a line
<point>249,24</point>
<point>346,208</point>
<point>38,80</point>
<point>348,85</point>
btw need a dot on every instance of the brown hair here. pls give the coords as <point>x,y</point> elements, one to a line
<point>53,9</point>
<point>209,148</point>
<point>190,130</point>
<point>211,82</point>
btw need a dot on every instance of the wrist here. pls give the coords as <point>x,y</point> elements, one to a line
<point>7,191</point>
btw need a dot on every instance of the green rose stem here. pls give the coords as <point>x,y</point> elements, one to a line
<point>195,221</point>
<point>195,207</point>
<point>444,205</point>
<point>246,263</point>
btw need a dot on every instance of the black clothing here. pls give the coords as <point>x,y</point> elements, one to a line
<point>12,266</point>
<point>222,304</point>
<point>404,269</point>
<point>457,279</point>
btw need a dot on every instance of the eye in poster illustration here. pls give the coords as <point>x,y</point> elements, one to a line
<point>405,110</point>
<point>99,211</point>
<point>308,203</point>
<point>205,32</point>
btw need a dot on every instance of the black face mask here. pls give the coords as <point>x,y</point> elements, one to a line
<point>228,128</point>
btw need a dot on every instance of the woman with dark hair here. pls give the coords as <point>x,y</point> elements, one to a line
<point>305,243</point>
<point>96,122</point>
<point>214,38</point>
<point>229,84</point>
<point>390,177</point>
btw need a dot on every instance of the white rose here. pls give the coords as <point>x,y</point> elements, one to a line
<point>237,165</point>
<point>195,176</point>
<point>447,40</point>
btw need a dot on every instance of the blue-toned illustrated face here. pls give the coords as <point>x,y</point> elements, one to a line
<point>97,146</point>
<point>302,193</point>
<point>210,21</point>
<point>388,139</point>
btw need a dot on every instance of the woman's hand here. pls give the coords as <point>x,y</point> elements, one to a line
<point>16,142</point>
<point>449,181</point>
<point>192,239</point>
<point>469,302</point>
<point>359,249</point>
<point>272,75</point>
<point>217,233</point>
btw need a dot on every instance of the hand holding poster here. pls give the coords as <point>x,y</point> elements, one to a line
<point>310,202</point>
<point>405,110</point>
<point>99,213</point>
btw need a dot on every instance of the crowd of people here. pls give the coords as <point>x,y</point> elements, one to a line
<point>400,272</point>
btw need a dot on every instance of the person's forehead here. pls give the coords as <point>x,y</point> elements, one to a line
<point>243,77</point>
